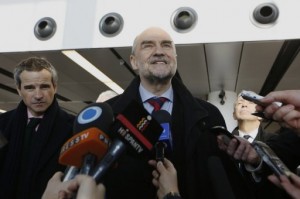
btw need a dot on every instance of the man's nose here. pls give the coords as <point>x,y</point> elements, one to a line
<point>38,93</point>
<point>159,50</point>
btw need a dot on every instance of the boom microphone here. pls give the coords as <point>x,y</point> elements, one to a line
<point>135,129</point>
<point>89,145</point>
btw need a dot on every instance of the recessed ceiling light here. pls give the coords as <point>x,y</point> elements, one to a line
<point>93,70</point>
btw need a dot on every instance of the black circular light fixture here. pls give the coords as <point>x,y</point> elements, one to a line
<point>111,24</point>
<point>184,19</point>
<point>45,28</point>
<point>266,13</point>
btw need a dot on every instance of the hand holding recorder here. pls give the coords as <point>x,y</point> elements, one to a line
<point>289,113</point>
<point>236,147</point>
<point>271,159</point>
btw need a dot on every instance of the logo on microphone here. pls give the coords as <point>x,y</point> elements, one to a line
<point>143,123</point>
<point>89,115</point>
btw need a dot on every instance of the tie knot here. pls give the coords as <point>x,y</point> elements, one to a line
<point>246,137</point>
<point>157,102</point>
<point>33,122</point>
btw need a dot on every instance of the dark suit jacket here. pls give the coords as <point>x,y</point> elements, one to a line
<point>265,189</point>
<point>287,146</point>
<point>54,129</point>
<point>262,135</point>
<point>193,146</point>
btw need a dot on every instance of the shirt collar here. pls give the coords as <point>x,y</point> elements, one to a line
<point>253,133</point>
<point>145,94</point>
<point>29,115</point>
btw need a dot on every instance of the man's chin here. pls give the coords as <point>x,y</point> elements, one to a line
<point>40,109</point>
<point>159,79</point>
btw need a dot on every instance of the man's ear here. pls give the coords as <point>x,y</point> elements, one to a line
<point>133,62</point>
<point>234,117</point>
<point>19,92</point>
<point>55,87</point>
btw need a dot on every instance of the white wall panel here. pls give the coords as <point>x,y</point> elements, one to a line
<point>78,22</point>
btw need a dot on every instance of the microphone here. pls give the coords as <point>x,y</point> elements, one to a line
<point>98,115</point>
<point>219,178</point>
<point>70,173</point>
<point>91,143</point>
<point>165,139</point>
<point>134,129</point>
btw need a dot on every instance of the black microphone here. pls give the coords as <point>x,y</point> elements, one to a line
<point>70,173</point>
<point>219,179</point>
<point>165,140</point>
<point>134,129</point>
<point>91,143</point>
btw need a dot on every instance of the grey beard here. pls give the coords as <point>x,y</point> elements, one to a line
<point>158,80</point>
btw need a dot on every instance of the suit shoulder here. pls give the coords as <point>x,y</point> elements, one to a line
<point>67,116</point>
<point>207,105</point>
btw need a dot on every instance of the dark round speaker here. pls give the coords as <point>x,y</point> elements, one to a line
<point>45,28</point>
<point>184,19</point>
<point>266,13</point>
<point>111,24</point>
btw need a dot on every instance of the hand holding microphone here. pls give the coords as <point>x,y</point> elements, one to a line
<point>82,185</point>
<point>165,178</point>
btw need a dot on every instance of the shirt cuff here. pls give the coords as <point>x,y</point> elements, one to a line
<point>251,168</point>
<point>254,170</point>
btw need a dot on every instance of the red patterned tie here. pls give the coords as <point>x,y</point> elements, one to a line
<point>157,102</point>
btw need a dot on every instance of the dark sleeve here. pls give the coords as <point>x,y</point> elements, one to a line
<point>4,120</point>
<point>286,146</point>
<point>216,117</point>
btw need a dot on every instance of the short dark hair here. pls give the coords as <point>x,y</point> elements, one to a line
<point>34,64</point>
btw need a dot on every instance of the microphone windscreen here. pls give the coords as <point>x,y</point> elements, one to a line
<point>92,140</point>
<point>136,125</point>
<point>162,116</point>
<point>99,115</point>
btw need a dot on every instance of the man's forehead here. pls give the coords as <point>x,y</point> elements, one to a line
<point>155,34</point>
<point>240,99</point>
<point>156,40</point>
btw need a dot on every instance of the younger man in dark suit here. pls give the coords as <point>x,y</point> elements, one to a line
<point>31,157</point>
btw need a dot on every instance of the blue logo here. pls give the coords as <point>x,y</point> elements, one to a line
<point>89,115</point>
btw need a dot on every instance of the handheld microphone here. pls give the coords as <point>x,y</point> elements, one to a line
<point>91,143</point>
<point>135,129</point>
<point>70,173</point>
<point>165,140</point>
